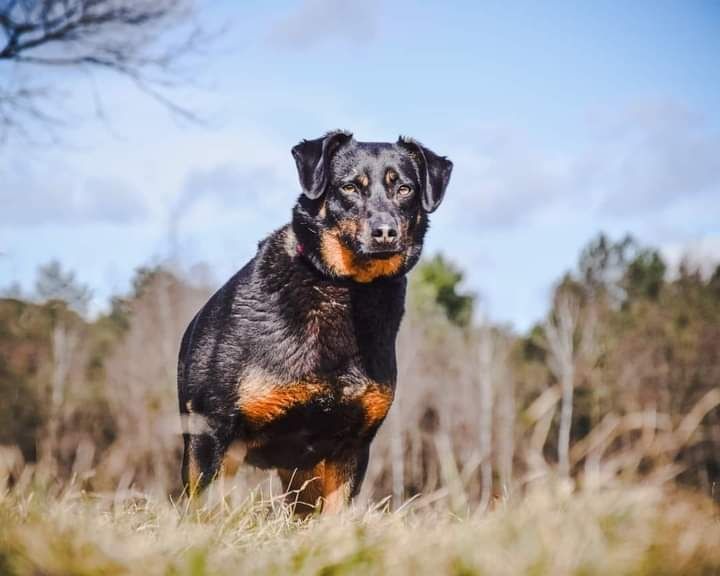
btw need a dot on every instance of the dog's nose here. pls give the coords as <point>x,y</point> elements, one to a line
<point>385,233</point>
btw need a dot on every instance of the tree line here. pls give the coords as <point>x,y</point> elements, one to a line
<point>619,378</point>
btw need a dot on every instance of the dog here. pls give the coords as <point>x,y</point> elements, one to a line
<point>293,359</point>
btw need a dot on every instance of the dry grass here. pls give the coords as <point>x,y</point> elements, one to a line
<point>634,530</point>
<point>495,433</point>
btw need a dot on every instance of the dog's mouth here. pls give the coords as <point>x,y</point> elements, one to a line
<point>370,249</point>
<point>380,253</point>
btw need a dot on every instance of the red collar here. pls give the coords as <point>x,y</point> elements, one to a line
<point>299,248</point>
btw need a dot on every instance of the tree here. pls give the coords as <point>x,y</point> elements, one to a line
<point>570,333</point>
<point>560,335</point>
<point>645,274</point>
<point>602,265</point>
<point>714,283</point>
<point>438,279</point>
<point>122,36</point>
<point>54,284</point>
<point>495,387</point>
<point>61,291</point>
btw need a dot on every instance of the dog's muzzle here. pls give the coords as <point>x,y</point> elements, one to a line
<point>384,234</point>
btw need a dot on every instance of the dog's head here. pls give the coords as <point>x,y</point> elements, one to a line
<point>364,209</point>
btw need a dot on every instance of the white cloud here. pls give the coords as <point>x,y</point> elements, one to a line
<point>315,22</point>
<point>501,180</point>
<point>645,160</point>
<point>233,186</point>
<point>657,155</point>
<point>60,197</point>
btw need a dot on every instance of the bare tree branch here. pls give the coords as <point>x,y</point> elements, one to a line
<point>560,334</point>
<point>131,38</point>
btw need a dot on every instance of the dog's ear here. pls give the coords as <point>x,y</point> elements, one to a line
<point>434,171</point>
<point>312,158</point>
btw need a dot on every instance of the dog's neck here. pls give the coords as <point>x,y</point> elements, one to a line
<point>312,259</point>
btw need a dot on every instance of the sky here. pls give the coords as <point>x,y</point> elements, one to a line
<point>562,119</point>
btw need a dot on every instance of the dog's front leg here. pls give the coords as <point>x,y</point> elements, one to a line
<point>336,486</point>
<point>330,485</point>
<point>342,480</point>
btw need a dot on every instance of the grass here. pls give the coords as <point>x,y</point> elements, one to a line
<point>636,530</point>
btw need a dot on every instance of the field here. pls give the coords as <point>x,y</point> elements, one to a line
<point>552,529</point>
<point>585,446</point>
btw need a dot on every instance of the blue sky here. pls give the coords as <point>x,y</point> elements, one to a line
<point>563,119</point>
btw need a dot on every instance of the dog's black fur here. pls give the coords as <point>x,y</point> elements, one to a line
<point>294,358</point>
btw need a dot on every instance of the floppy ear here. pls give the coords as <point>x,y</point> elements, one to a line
<point>434,171</point>
<point>312,158</point>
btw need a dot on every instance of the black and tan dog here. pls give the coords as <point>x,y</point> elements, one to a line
<point>294,358</point>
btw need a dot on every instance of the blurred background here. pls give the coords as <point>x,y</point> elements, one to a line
<point>566,317</point>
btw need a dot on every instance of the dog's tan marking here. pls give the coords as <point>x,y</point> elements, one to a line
<point>303,488</point>
<point>336,256</point>
<point>376,402</point>
<point>323,210</point>
<point>374,398</point>
<point>262,398</point>
<point>268,407</point>
<point>342,262</point>
<point>363,180</point>
<point>233,458</point>
<point>390,176</point>
<point>377,268</point>
<point>335,487</point>
<point>326,485</point>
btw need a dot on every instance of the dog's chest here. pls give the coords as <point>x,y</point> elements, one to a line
<point>325,382</point>
<point>326,332</point>
<point>329,329</point>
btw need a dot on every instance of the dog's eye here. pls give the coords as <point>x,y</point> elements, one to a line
<point>404,191</point>
<point>348,188</point>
